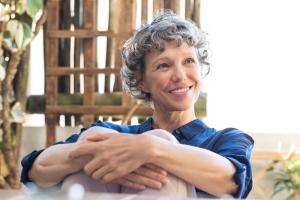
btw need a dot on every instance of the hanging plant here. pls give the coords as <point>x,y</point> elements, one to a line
<point>15,35</point>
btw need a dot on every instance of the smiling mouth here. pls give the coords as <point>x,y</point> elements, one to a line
<point>180,90</point>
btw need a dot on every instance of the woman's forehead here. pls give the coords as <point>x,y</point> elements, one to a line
<point>170,46</point>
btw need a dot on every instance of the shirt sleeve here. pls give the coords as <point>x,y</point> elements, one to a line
<point>236,146</point>
<point>28,160</point>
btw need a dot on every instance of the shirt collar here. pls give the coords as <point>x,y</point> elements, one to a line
<point>188,130</point>
<point>192,128</point>
<point>146,125</point>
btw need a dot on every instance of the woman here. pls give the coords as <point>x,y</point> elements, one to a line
<point>163,65</point>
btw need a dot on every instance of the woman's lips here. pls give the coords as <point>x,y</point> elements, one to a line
<point>180,90</point>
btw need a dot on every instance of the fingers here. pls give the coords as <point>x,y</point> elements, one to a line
<point>152,175</point>
<point>92,166</point>
<point>143,180</point>
<point>101,172</point>
<point>129,184</point>
<point>81,150</point>
<point>113,174</point>
<point>156,169</point>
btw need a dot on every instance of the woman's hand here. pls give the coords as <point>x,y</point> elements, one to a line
<point>113,155</point>
<point>147,176</point>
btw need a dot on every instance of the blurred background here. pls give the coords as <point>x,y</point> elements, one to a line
<point>73,63</point>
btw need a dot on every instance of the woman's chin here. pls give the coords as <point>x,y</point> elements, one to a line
<point>181,108</point>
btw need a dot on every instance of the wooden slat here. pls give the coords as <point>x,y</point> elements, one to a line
<point>122,20</point>
<point>36,103</point>
<point>144,11</point>
<point>82,33</point>
<point>77,48</point>
<point>61,71</point>
<point>196,14</point>
<point>51,54</point>
<point>188,9</point>
<point>90,57</point>
<point>104,110</point>
<point>157,5</point>
<point>173,5</point>
<point>270,155</point>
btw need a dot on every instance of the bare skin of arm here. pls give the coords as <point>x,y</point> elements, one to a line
<point>54,164</point>
<point>204,169</point>
<point>195,165</point>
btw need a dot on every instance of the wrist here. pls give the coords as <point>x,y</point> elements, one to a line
<point>76,164</point>
<point>151,148</point>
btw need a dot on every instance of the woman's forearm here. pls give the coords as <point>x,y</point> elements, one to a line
<point>53,164</point>
<point>204,169</point>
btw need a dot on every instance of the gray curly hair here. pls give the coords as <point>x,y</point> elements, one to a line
<point>165,27</point>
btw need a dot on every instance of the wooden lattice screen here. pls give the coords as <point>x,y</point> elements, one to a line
<point>61,27</point>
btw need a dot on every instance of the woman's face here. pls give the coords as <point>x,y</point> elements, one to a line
<point>172,77</point>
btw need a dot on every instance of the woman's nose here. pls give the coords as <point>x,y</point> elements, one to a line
<point>178,73</point>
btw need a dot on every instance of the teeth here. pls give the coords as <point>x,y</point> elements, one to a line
<point>180,90</point>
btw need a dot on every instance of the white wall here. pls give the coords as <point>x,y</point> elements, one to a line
<point>254,82</point>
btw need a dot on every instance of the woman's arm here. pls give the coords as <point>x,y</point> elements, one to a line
<point>206,170</point>
<point>53,164</point>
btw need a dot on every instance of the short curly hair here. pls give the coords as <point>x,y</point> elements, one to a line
<point>165,27</point>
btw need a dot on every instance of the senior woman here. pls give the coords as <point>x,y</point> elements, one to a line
<point>172,151</point>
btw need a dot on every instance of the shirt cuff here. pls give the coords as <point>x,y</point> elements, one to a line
<point>27,163</point>
<point>242,177</point>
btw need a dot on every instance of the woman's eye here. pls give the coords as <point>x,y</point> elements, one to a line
<point>162,65</point>
<point>189,60</point>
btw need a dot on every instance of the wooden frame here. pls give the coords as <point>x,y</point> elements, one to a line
<point>122,22</point>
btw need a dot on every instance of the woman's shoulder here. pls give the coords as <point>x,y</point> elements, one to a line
<point>235,134</point>
<point>213,134</point>
<point>229,137</point>
<point>232,138</point>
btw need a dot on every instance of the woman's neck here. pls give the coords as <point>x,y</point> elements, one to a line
<point>170,121</point>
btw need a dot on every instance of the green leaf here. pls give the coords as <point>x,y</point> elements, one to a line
<point>26,30</point>
<point>27,34</point>
<point>2,147</point>
<point>7,35</point>
<point>276,191</point>
<point>17,113</point>
<point>33,7</point>
<point>19,32</point>
<point>19,38</point>
<point>12,27</point>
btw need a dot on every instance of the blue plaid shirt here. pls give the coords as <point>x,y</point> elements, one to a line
<point>231,143</point>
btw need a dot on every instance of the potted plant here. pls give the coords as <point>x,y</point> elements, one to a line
<point>286,175</point>
<point>20,21</point>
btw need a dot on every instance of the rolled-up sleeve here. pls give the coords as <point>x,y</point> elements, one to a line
<point>27,163</point>
<point>236,146</point>
<point>242,177</point>
<point>29,159</point>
